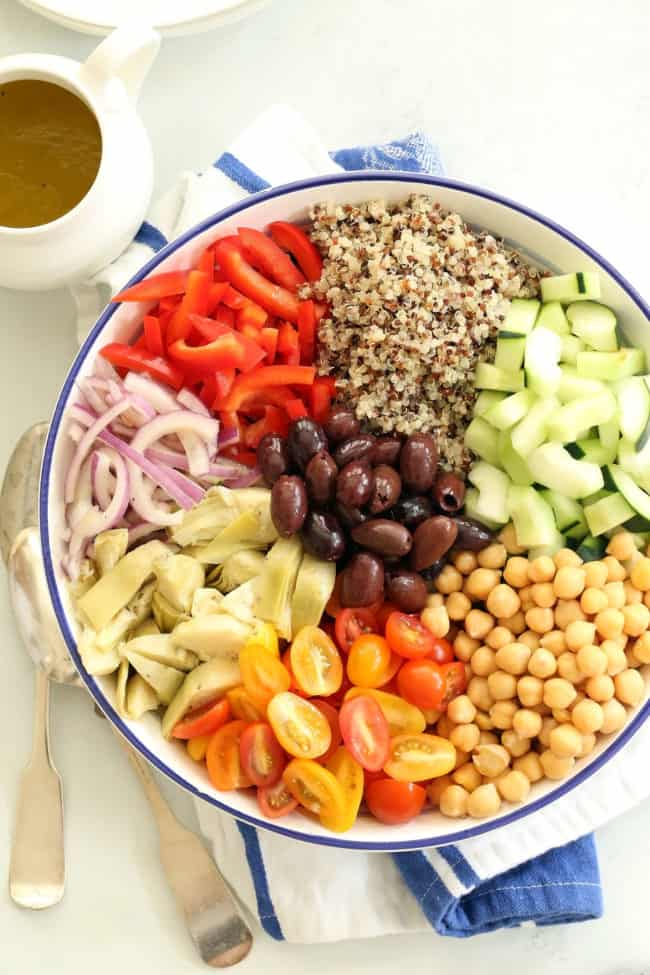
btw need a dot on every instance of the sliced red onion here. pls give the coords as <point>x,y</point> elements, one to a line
<point>161,399</point>
<point>228,437</point>
<point>163,455</point>
<point>122,430</point>
<point>85,445</point>
<point>95,392</point>
<point>102,479</point>
<point>104,369</point>
<point>93,522</point>
<point>198,458</point>
<point>192,402</point>
<point>243,480</point>
<point>83,501</point>
<point>76,432</point>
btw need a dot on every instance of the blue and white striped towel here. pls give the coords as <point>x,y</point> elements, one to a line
<point>541,869</point>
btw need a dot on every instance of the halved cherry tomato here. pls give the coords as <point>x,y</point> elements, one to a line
<point>416,758</point>
<point>223,759</point>
<point>394,802</point>
<point>265,255</point>
<point>408,636</point>
<point>333,607</point>
<point>262,674</point>
<point>294,239</point>
<point>365,732</point>
<point>315,788</point>
<point>369,777</point>
<point>243,706</point>
<point>315,662</point>
<point>332,716</point>
<point>138,360</point>
<point>349,774</point>
<point>262,758</point>
<point>370,661</point>
<point>293,687</point>
<point>403,718</point>
<point>300,727</point>
<point>442,651</point>
<point>155,287</point>
<point>351,623</point>
<point>276,801</point>
<point>204,720</point>
<point>430,685</point>
<point>254,285</point>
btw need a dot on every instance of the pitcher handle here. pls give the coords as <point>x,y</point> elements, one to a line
<point>126,54</point>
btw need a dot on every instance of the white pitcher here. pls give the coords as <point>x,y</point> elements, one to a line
<point>101,225</point>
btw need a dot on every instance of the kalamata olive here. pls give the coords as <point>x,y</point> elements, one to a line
<point>383,536</point>
<point>472,535</point>
<point>354,484</point>
<point>386,490</point>
<point>323,536</point>
<point>320,477</point>
<point>418,462</point>
<point>273,457</point>
<point>386,450</point>
<point>449,493</point>
<point>306,438</point>
<point>412,511</point>
<point>407,590</point>
<point>363,580</point>
<point>288,505</point>
<point>431,539</point>
<point>349,517</point>
<point>341,425</point>
<point>431,573</point>
<point>354,448</point>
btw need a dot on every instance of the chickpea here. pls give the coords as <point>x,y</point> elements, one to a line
<point>593,601</point>
<point>621,546</point>
<point>559,693</point>
<point>615,593</point>
<point>578,633</point>
<point>508,538</point>
<point>642,648</point>
<point>465,562</point>
<point>491,760</point>
<point>436,787</point>
<point>591,661</point>
<point>588,744</point>
<point>530,765</point>
<point>460,710</point>
<point>543,594</point>
<point>540,620</point>
<point>587,716</point>
<point>567,611</point>
<point>614,717</point>
<point>615,571</point>
<point>530,690</point>
<point>632,596</point>
<point>541,569</point>
<point>609,623</point>
<point>555,641</point>
<point>526,597</point>
<point>548,724</point>
<point>444,726</point>
<point>478,624</point>
<point>458,605</point>
<point>484,662</point>
<point>514,786</point>
<point>484,801</point>
<point>515,745</point>
<point>435,599</point>
<point>529,639</point>
<point>569,582</point>
<point>515,572</point>
<point>630,687</point>
<point>480,583</point>
<point>493,556</point>
<point>465,737</point>
<point>502,685</point>
<point>565,741</point>
<point>498,637</point>
<point>600,688</point>
<point>556,767</point>
<point>595,574</point>
<point>631,659</point>
<point>479,694</point>
<point>561,715</point>
<point>567,558</point>
<point>542,663</point>
<point>646,595</point>
<point>502,713</point>
<point>489,738</point>
<point>454,801</point>
<point>436,620</point>
<point>516,624</point>
<point>462,758</point>
<point>465,646</point>
<point>484,721</point>
<point>513,659</point>
<point>636,619</point>
<point>467,776</point>
<point>616,659</point>
<point>567,668</point>
<point>503,601</point>
<point>449,581</point>
<point>527,723</point>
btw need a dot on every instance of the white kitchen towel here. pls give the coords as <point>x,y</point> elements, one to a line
<point>542,868</point>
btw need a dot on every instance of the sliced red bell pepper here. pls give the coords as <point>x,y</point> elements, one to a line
<point>252,314</point>
<point>169,303</point>
<point>251,333</point>
<point>273,421</point>
<point>254,403</point>
<point>223,381</point>
<point>307,332</point>
<point>320,310</point>
<point>153,336</point>
<point>206,262</point>
<point>226,316</point>
<point>254,285</point>
<point>265,377</point>
<point>156,287</point>
<point>232,350</point>
<point>217,291</point>
<point>271,260</point>
<point>241,454</point>
<point>295,409</point>
<point>230,422</point>
<point>138,360</point>
<point>208,391</point>
<point>288,344</point>
<point>268,339</point>
<point>206,329</point>
<point>195,302</point>
<point>234,299</point>
<point>292,238</point>
<point>141,344</point>
<point>321,394</point>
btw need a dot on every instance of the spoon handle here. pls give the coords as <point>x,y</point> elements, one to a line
<point>37,867</point>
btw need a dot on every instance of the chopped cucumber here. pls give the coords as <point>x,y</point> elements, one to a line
<point>555,468</point>
<point>591,549</point>
<point>571,348</point>
<point>492,487</point>
<point>644,438</point>
<point>520,317</point>
<point>633,398</point>
<point>595,324</point>
<point>470,509</point>
<point>510,352</point>
<point>566,288</point>
<point>532,517</point>
<point>485,399</point>
<point>482,439</point>
<point>568,423</point>
<point>609,434</point>
<point>537,551</point>
<point>635,496</point>
<point>512,462</point>
<point>593,450</point>
<point>530,432</point>
<point>637,524</point>
<point>573,386</point>
<point>569,516</point>
<point>489,377</point>
<point>635,462</point>
<point>611,366</point>
<point>607,513</point>
<point>543,349</point>
<point>510,410</point>
<point>552,316</point>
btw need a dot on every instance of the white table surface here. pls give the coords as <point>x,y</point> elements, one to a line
<point>546,102</point>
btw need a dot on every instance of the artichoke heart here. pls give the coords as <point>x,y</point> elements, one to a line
<point>240,534</point>
<point>277,582</point>
<point>314,586</point>
<point>114,590</point>
<point>205,520</point>
<point>160,647</point>
<point>120,686</point>
<point>205,683</point>
<point>99,650</point>
<point>140,697</point>
<point>85,580</point>
<point>213,635</point>
<point>166,615</point>
<point>147,628</point>
<point>109,548</point>
<point>164,680</point>
<point>178,578</point>
<point>237,569</point>
<point>206,601</point>
<point>242,602</point>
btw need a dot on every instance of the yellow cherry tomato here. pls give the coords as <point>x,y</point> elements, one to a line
<point>242,705</point>
<point>315,662</point>
<point>316,788</point>
<point>262,673</point>
<point>414,758</point>
<point>371,662</point>
<point>349,775</point>
<point>264,635</point>
<point>299,726</point>
<point>403,718</point>
<point>197,747</point>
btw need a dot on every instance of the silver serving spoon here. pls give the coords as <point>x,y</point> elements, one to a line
<point>215,924</point>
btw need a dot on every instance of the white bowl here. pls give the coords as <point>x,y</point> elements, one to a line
<point>544,243</point>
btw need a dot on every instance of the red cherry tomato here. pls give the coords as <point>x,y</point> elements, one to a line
<point>442,652</point>
<point>203,721</point>
<point>262,758</point>
<point>365,732</point>
<point>408,636</point>
<point>332,716</point>
<point>383,613</point>
<point>351,623</point>
<point>430,685</point>
<point>394,802</point>
<point>223,758</point>
<point>276,800</point>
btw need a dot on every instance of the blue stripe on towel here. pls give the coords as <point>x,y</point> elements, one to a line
<point>265,908</point>
<point>150,236</point>
<point>425,884</point>
<point>467,876</point>
<point>413,154</point>
<point>239,173</point>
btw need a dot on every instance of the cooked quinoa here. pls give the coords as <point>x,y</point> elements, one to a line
<point>416,298</point>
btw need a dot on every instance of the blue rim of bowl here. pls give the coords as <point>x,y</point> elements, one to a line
<point>285,190</point>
